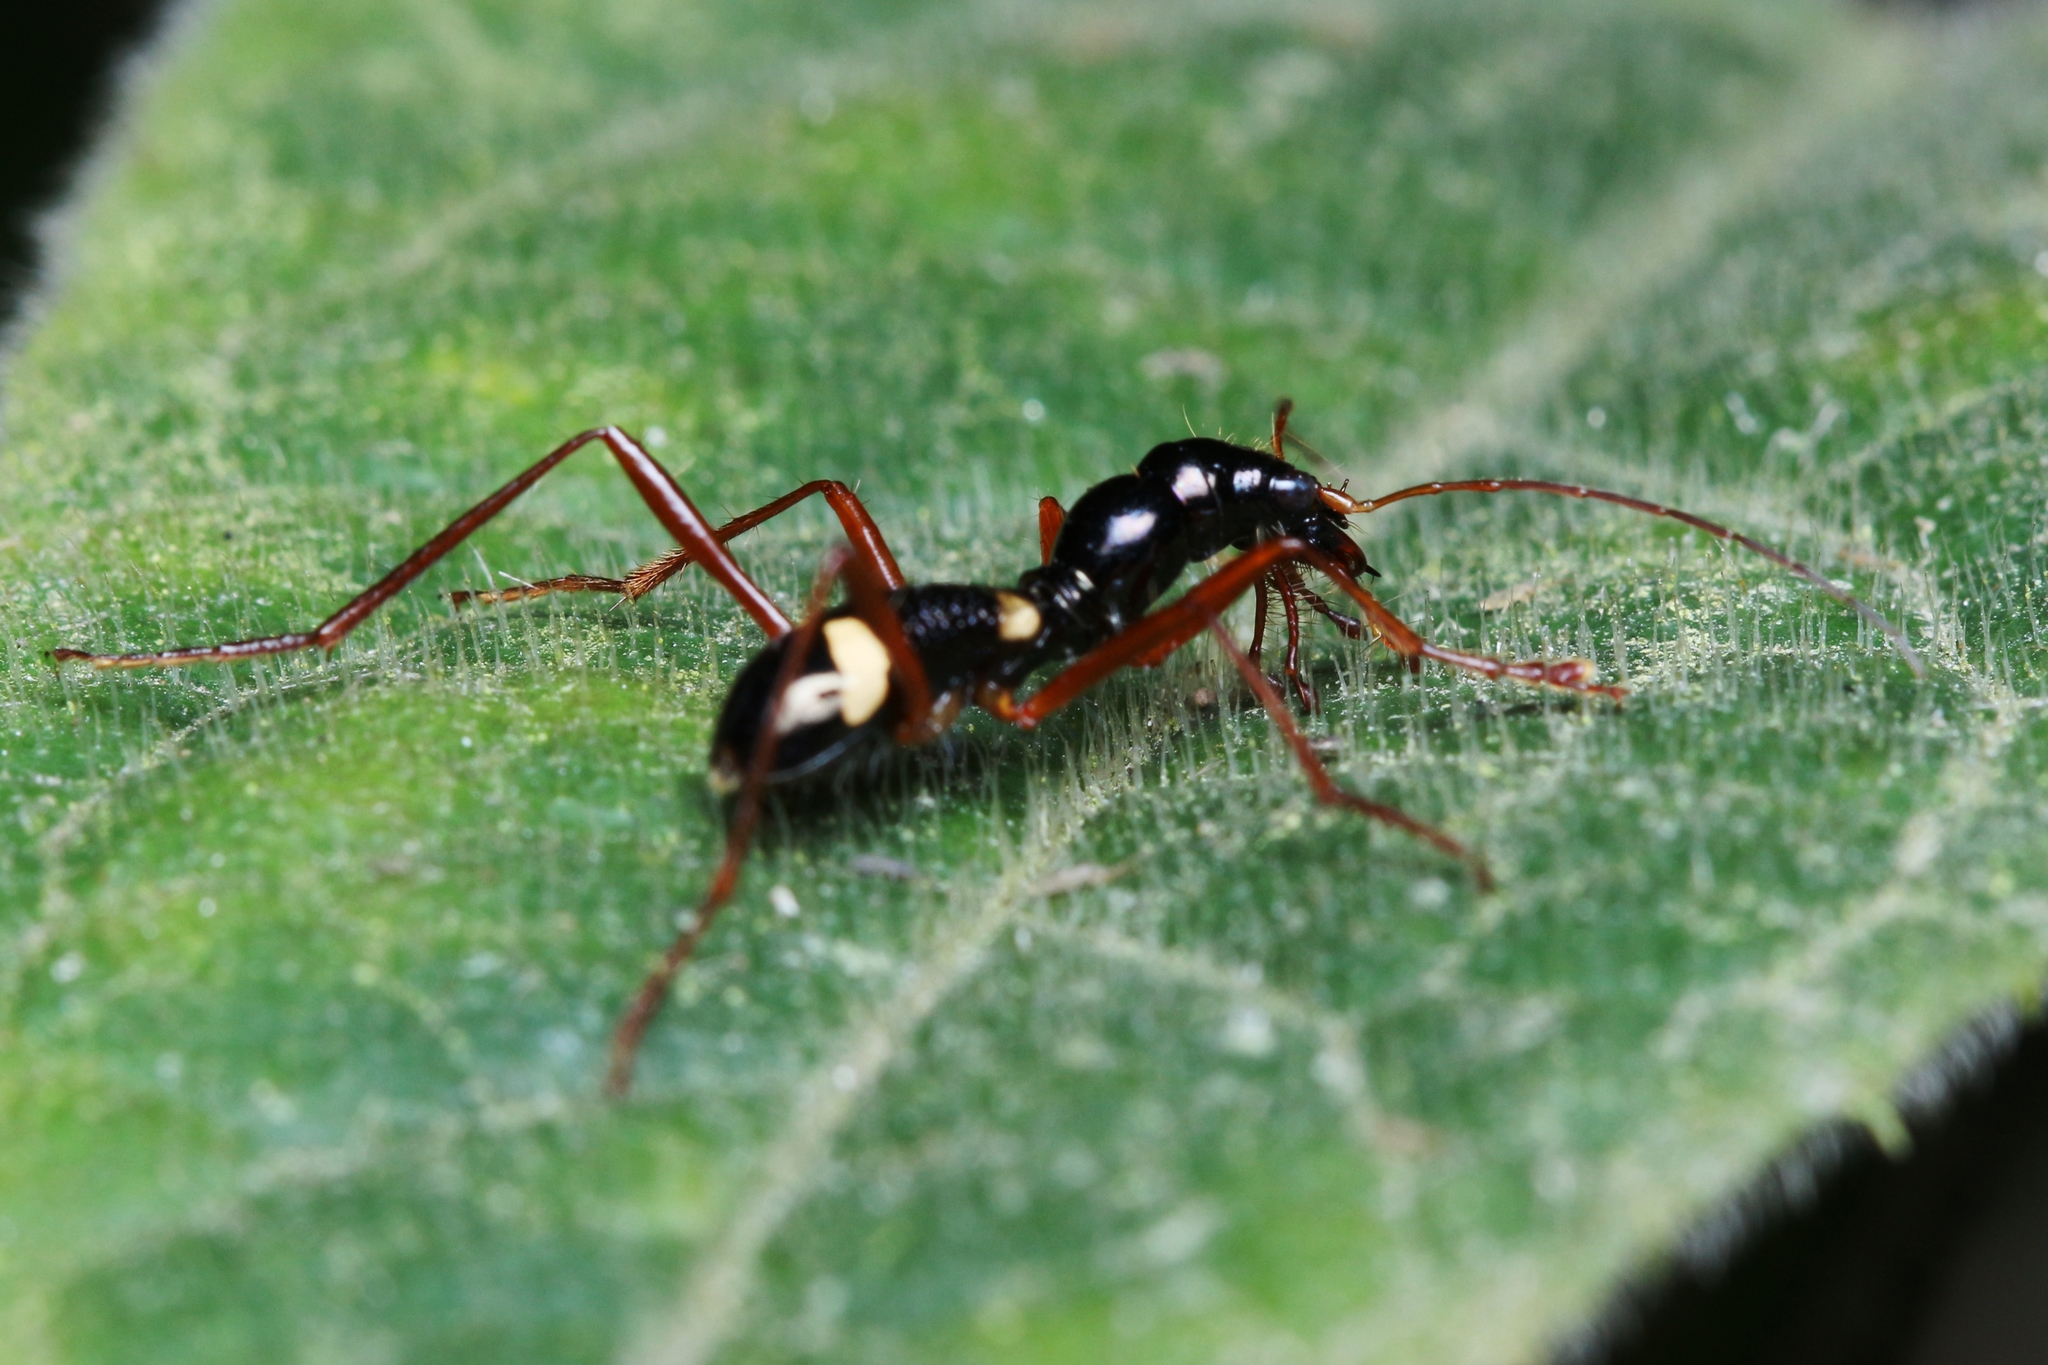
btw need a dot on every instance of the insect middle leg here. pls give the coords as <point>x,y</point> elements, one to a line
<point>1159,634</point>
<point>656,486</point>
<point>1151,639</point>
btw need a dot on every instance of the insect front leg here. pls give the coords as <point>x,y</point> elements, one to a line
<point>1323,785</point>
<point>1290,592</point>
<point>1261,603</point>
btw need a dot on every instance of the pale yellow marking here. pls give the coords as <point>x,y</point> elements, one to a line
<point>812,698</point>
<point>1017,619</point>
<point>863,666</point>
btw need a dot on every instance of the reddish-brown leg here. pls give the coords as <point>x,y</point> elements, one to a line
<point>746,816</point>
<point>1200,608</point>
<point>1290,589</point>
<point>1875,618</point>
<point>1282,410</point>
<point>540,587</point>
<point>1157,635</point>
<point>861,533</point>
<point>1351,627</point>
<point>1151,639</point>
<point>922,722</point>
<point>1262,595</point>
<point>1051,517</point>
<point>1319,780</point>
<point>663,496</point>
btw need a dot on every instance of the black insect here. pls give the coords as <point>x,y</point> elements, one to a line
<point>897,662</point>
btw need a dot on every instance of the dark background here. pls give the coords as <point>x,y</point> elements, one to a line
<point>59,70</point>
<point>1838,1254</point>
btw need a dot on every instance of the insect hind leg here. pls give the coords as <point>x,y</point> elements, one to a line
<point>746,817</point>
<point>657,488</point>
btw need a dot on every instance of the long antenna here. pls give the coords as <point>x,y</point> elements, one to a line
<point>1343,502</point>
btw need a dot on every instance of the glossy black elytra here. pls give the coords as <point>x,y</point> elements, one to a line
<point>897,662</point>
<point>1118,550</point>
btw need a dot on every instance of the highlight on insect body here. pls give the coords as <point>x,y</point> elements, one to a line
<point>896,662</point>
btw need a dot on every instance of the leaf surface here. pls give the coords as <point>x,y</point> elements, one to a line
<point>307,967</point>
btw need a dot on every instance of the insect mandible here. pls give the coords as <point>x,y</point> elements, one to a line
<point>897,662</point>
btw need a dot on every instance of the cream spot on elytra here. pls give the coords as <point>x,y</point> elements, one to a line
<point>1016,618</point>
<point>811,698</point>
<point>863,666</point>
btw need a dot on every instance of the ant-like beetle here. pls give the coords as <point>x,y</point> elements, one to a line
<point>898,661</point>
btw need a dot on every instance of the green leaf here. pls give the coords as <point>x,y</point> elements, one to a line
<point>307,966</point>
